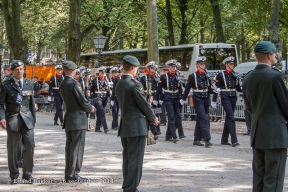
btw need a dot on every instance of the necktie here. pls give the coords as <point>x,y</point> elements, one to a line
<point>19,82</point>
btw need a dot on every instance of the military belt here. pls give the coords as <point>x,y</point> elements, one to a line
<point>152,91</point>
<point>55,87</point>
<point>100,92</point>
<point>228,89</point>
<point>171,91</point>
<point>200,91</point>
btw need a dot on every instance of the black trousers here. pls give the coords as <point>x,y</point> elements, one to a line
<point>247,120</point>
<point>26,136</point>
<point>59,110</point>
<point>133,155</point>
<point>229,105</point>
<point>74,151</point>
<point>174,117</point>
<point>268,169</point>
<point>115,111</point>
<point>100,113</point>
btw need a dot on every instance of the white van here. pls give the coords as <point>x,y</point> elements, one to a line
<point>248,66</point>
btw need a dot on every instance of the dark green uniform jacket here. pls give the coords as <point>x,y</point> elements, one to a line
<point>266,98</point>
<point>9,91</point>
<point>76,104</point>
<point>134,108</point>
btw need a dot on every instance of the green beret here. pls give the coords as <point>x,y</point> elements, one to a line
<point>16,63</point>
<point>132,60</point>
<point>69,65</point>
<point>265,47</point>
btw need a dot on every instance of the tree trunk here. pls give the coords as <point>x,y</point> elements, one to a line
<point>74,33</point>
<point>273,27</point>
<point>217,21</point>
<point>183,6</point>
<point>18,47</point>
<point>39,51</point>
<point>202,25</point>
<point>243,47</point>
<point>170,24</point>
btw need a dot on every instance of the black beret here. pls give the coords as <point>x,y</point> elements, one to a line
<point>69,65</point>
<point>16,63</point>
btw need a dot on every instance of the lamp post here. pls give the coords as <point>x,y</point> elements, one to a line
<point>99,42</point>
<point>1,54</point>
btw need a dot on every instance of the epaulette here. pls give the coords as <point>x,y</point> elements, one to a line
<point>135,80</point>
<point>276,69</point>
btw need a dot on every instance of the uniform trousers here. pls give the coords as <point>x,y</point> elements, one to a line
<point>174,118</point>
<point>268,169</point>
<point>229,104</point>
<point>202,126</point>
<point>74,151</point>
<point>133,155</point>
<point>13,139</point>
<point>100,105</point>
<point>59,110</point>
<point>163,118</point>
<point>247,120</point>
<point>154,129</point>
<point>115,111</point>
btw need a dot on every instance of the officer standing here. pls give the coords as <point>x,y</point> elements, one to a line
<point>17,116</point>
<point>79,79</point>
<point>54,91</point>
<point>133,127</point>
<point>75,122</point>
<point>228,84</point>
<point>153,80</point>
<point>100,89</point>
<point>200,86</point>
<point>169,82</point>
<point>114,102</point>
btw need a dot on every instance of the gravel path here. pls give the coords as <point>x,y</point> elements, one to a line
<point>167,166</point>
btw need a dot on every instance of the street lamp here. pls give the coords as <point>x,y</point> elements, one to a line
<point>1,53</point>
<point>99,42</point>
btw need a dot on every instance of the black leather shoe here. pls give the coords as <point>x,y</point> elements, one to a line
<point>208,144</point>
<point>28,178</point>
<point>168,139</point>
<point>175,140</point>
<point>55,123</point>
<point>248,133</point>
<point>198,143</point>
<point>235,144</point>
<point>98,130</point>
<point>155,137</point>
<point>159,133</point>
<point>182,137</point>
<point>225,143</point>
<point>106,131</point>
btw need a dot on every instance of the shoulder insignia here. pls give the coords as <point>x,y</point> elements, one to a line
<point>135,80</point>
<point>141,89</point>
<point>276,69</point>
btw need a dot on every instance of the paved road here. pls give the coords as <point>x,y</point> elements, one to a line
<point>167,166</point>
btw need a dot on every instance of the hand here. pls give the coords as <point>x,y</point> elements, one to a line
<point>156,122</point>
<point>49,98</point>
<point>213,105</point>
<point>3,123</point>
<point>36,107</point>
<point>182,102</point>
<point>112,103</point>
<point>155,102</point>
<point>160,102</point>
<point>93,109</point>
<point>218,90</point>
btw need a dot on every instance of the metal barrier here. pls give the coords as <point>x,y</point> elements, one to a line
<point>218,113</point>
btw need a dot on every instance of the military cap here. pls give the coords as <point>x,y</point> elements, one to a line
<point>132,60</point>
<point>82,68</point>
<point>77,71</point>
<point>101,69</point>
<point>16,63</point>
<point>69,65</point>
<point>87,72</point>
<point>230,59</point>
<point>178,65</point>
<point>114,69</point>
<point>265,47</point>
<point>58,67</point>
<point>201,59</point>
<point>151,64</point>
<point>171,62</point>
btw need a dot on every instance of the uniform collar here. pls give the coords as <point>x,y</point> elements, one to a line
<point>200,72</point>
<point>228,72</point>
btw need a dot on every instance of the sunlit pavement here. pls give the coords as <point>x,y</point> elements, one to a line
<point>167,166</point>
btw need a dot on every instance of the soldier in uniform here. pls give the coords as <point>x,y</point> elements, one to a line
<point>200,86</point>
<point>114,102</point>
<point>79,78</point>
<point>100,89</point>
<point>75,122</point>
<point>17,116</point>
<point>54,91</point>
<point>266,98</point>
<point>133,127</point>
<point>228,84</point>
<point>144,80</point>
<point>169,82</point>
